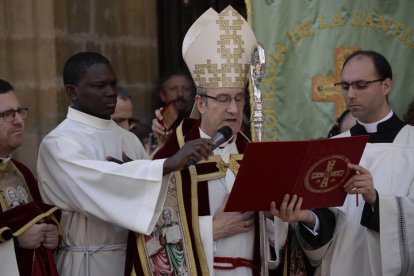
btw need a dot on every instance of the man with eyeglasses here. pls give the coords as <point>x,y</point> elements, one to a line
<point>23,217</point>
<point>374,237</point>
<point>216,242</point>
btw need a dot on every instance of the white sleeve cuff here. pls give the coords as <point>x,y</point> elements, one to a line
<point>315,229</point>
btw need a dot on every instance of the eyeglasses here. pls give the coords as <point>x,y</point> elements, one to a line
<point>10,115</point>
<point>226,99</point>
<point>357,85</point>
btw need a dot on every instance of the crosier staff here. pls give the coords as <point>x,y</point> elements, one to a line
<point>257,72</point>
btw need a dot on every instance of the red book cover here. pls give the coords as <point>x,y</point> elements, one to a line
<point>315,170</point>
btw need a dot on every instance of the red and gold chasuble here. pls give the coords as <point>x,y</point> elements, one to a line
<point>175,245</point>
<point>21,207</point>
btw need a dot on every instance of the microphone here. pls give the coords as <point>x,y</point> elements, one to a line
<point>221,136</point>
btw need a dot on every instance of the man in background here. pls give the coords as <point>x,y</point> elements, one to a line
<point>144,133</point>
<point>23,217</point>
<point>177,97</point>
<point>177,86</point>
<point>344,122</point>
<point>123,110</point>
<point>123,118</point>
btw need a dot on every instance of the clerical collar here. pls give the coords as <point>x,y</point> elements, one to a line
<point>5,159</point>
<point>386,130</point>
<point>373,127</point>
<point>87,119</point>
<point>230,141</point>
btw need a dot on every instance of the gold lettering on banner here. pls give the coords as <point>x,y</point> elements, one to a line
<point>359,20</point>
<point>280,52</point>
<point>323,89</point>
<point>383,24</point>
<point>405,35</point>
<point>388,25</point>
<point>356,19</point>
<point>337,22</point>
<point>398,27</point>
<point>304,29</point>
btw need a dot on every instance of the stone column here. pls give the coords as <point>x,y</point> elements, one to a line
<point>38,36</point>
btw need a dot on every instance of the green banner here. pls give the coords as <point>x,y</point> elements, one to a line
<point>306,43</point>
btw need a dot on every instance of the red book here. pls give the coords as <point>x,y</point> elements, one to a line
<point>170,114</point>
<point>315,170</point>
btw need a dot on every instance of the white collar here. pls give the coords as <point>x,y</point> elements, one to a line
<point>5,159</point>
<point>372,127</point>
<point>87,119</point>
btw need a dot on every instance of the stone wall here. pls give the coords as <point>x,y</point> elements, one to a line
<point>38,36</point>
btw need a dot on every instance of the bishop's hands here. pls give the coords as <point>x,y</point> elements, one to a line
<point>290,211</point>
<point>361,183</point>
<point>226,224</point>
<point>41,234</point>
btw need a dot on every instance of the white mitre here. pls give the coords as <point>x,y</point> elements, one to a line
<point>217,49</point>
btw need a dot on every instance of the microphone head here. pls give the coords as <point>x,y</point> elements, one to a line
<point>222,135</point>
<point>226,131</point>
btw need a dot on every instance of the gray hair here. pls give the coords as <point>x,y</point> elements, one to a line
<point>201,91</point>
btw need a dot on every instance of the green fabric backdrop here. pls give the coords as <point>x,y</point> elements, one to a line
<point>306,42</point>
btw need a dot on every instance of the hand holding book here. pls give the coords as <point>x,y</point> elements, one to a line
<point>290,211</point>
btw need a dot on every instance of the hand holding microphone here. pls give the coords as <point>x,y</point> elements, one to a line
<point>221,136</point>
<point>194,150</point>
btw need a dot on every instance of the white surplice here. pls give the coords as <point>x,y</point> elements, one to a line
<point>357,250</point>
<point>8,262</point>
<point>239,245</point>
<point>99,199</point>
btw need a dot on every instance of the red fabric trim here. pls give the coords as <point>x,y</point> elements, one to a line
<point>234,262</point>
<point>42,264</point>
<point>38,262</point>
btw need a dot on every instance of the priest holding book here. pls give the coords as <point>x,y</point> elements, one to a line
<point>373,237</point>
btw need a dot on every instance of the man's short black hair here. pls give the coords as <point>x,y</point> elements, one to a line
<point>123,93</point>
<point>336,128</point>
<point>381,64</point>
<point>76,66</point>
<point>5,87</point>
<point>175,72</point>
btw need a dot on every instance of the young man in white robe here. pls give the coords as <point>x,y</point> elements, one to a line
<point>373,237</point>
<point>101,200</point>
